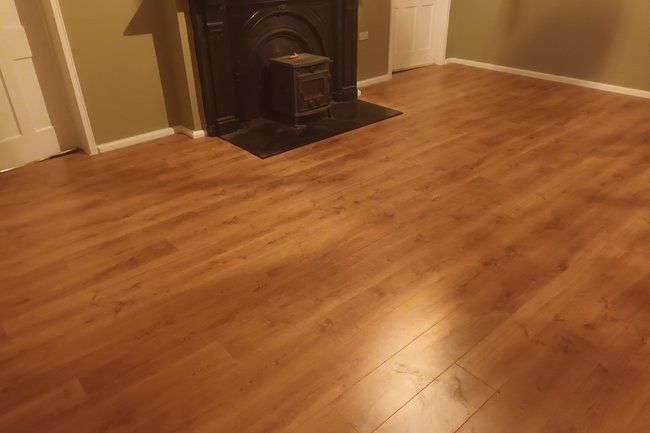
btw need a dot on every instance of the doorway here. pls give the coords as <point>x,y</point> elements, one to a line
<point>41,111</point>
<point>418,33</point>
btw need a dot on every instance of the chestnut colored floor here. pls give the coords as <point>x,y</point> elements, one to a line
<point>480,264</point>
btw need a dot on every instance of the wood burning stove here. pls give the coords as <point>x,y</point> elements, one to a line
<point>300,85</point>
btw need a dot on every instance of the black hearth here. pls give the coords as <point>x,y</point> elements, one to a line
<point>235,42</point>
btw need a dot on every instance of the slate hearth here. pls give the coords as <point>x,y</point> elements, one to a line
<point>265,137</point>
<point>234,41</point>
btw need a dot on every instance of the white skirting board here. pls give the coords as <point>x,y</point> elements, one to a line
<point>148,136</point>
<point>374,80</point>
<point>189,132</point>
<point>557,78</point>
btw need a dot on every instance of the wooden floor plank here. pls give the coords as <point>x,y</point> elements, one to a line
<point>443,406</point>
<point>374,399</point>
<point>326,422</point>
<point>559,366</point>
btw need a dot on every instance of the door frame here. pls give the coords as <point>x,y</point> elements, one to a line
<point>63,52</point>
<point>441,33</point>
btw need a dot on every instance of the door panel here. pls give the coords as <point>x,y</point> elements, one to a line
<point>26,132</point>
<point>413,33</point>
<point>8,122</point>
<point>424,27</point>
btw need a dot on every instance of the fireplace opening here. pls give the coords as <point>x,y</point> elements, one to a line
<point>270,32</point>
<point>259,96</point>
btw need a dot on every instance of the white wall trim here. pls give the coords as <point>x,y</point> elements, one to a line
<point>136,139</point>
<point>442,30</point>
<point>557,78</point>
<point>149,136</point>
<point>89,144</point>
<point>391,37</point>
<point>374,80</point>
<point>180,129</point>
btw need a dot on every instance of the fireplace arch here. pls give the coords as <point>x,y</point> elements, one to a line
<point>269,33</point>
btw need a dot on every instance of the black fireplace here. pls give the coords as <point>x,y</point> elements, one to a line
<point>235,42</point>
<point>235,39</point>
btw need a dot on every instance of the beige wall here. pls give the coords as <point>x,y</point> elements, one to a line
<point>374,17</point>
<point>178,48</point>
<point>599,40</point>
<point>132,65</point>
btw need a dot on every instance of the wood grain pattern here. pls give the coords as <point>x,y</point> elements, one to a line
<point>326,422</point>
<point>412,369</point>
<point>494,240</point>
<point>443,406</point>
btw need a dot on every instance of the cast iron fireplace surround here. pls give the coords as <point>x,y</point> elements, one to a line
<point>234,40</point>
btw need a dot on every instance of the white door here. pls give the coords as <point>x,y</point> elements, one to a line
<point>26,133</point>
<point>419,32</point>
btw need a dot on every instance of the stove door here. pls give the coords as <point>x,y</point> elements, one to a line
<point>313,91</point>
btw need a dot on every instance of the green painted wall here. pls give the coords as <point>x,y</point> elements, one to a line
<point>605,41</point>
<point>374,17</point>
<point>132,65</point>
